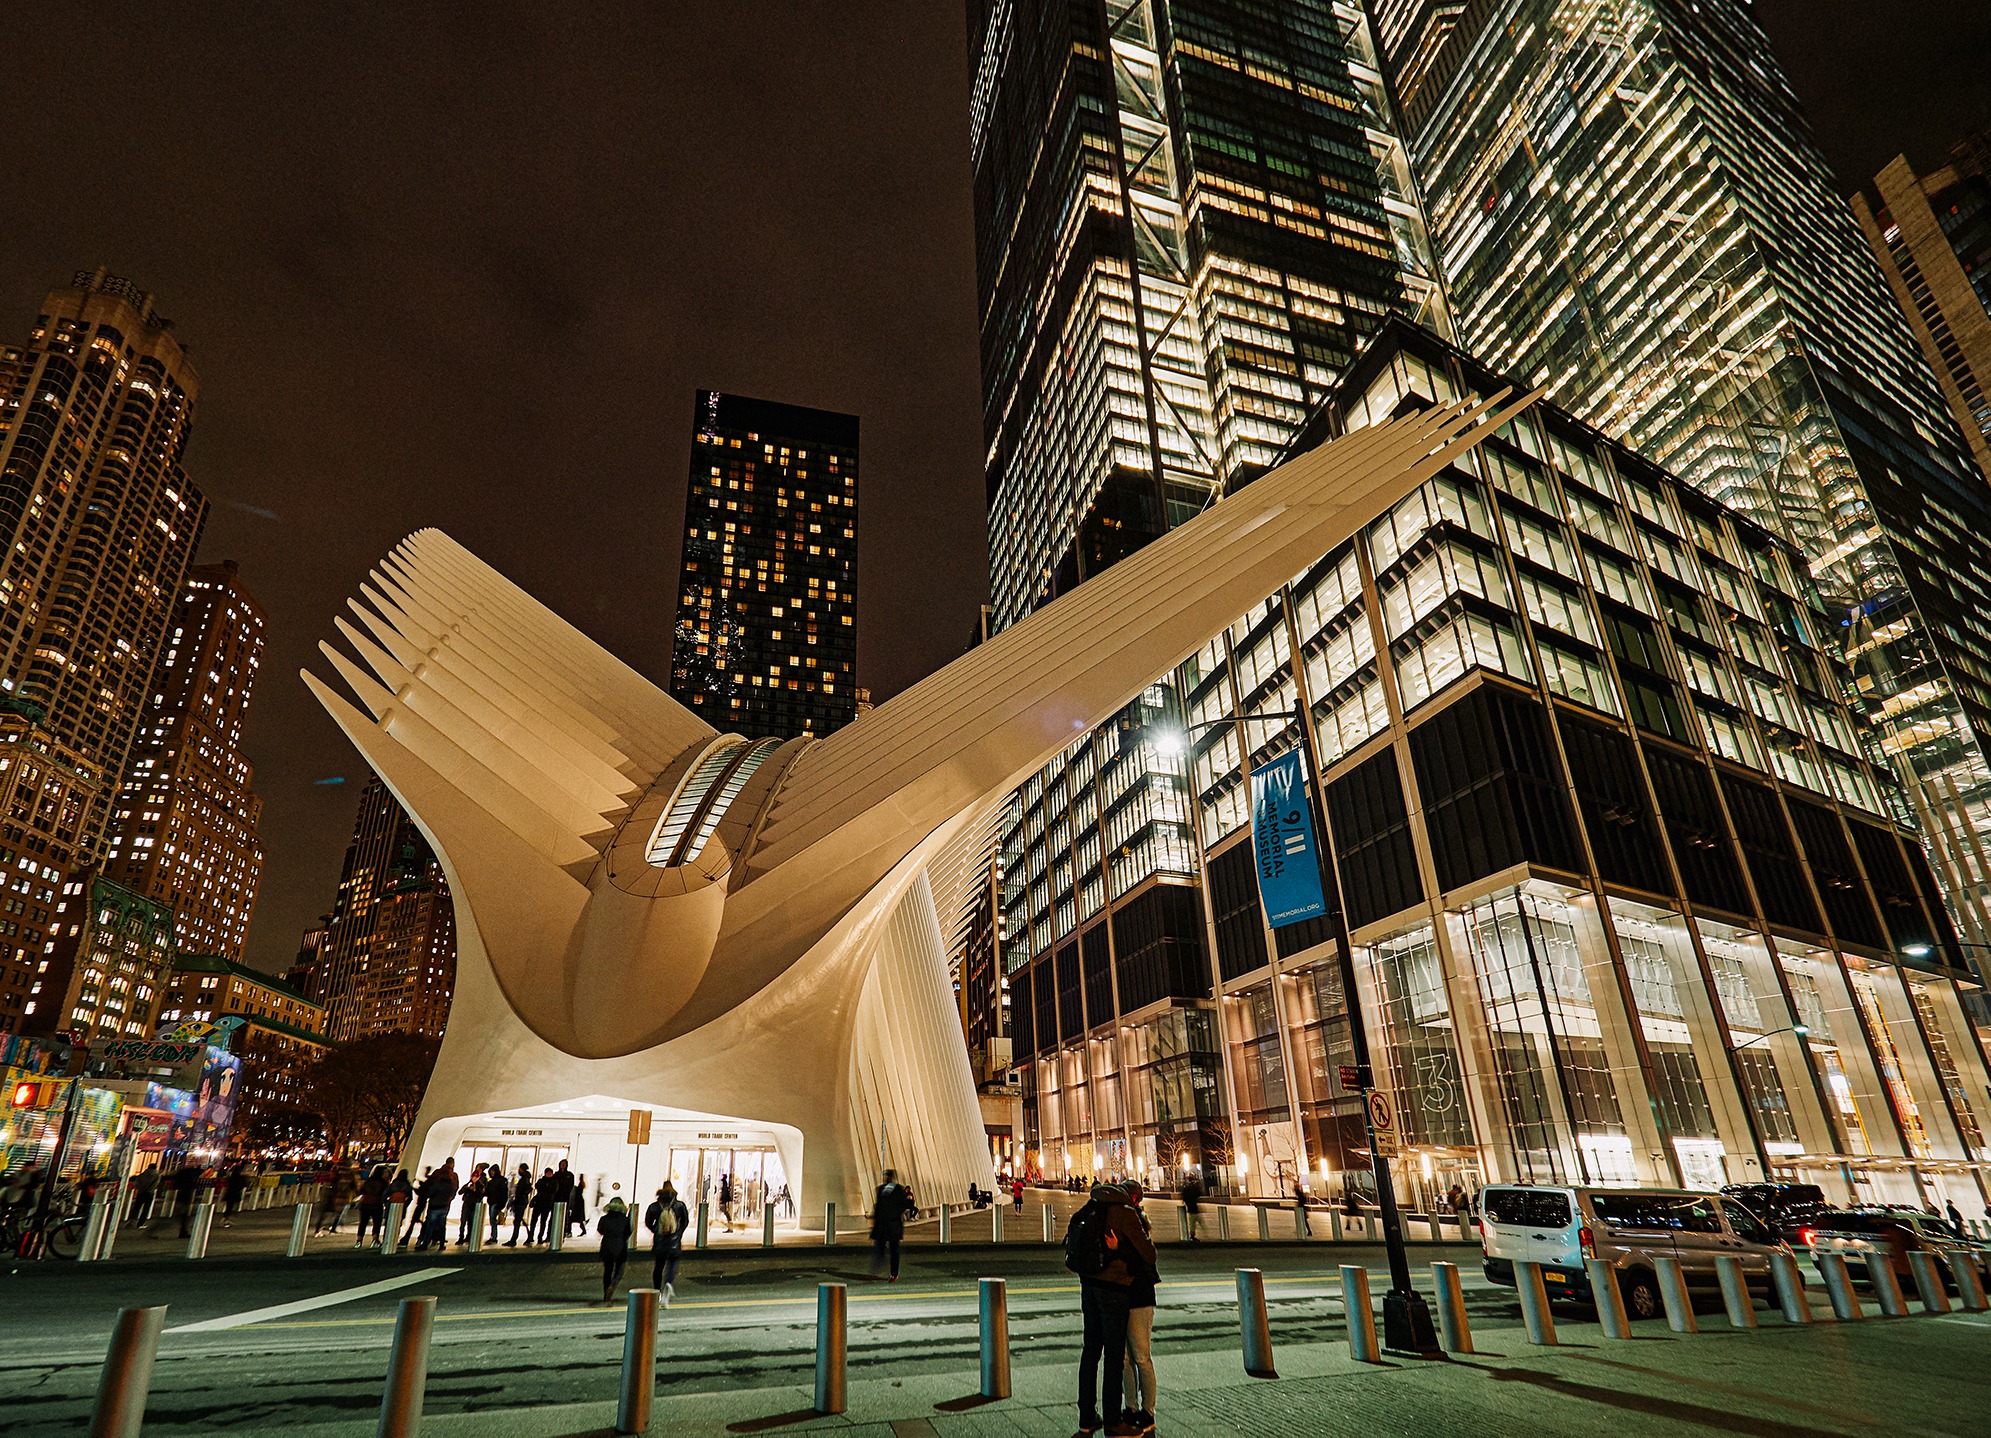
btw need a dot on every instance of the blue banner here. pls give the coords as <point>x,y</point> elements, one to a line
<point>1282,834</point>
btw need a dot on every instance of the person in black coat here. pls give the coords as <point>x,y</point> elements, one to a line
<point>888,1222</point>
<point>497,1193</point>
<point>521,1201</point>
<point>614,1230</point>
<point>666,1219</point>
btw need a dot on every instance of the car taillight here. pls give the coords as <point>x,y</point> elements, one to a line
<point>1806,1235</point>
<point>1587,1241</point>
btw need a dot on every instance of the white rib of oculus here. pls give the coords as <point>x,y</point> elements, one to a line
<point>715,782</point>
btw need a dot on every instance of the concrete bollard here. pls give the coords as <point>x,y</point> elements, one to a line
<point>1673,1292</point>
<point>946,1224</point>
<point>1969,1283</point>
<point>832,1310</point>
<point>127,1376</point>
<point>1455,1332</point>
<point>767,1226</point>
<point>479,1220</point>
<point>556,1236</point>
<point>390,1233</point>
<point>639,1362</point>
<point>1362,1346</point>
<point>829,1224</point>
<point>995,1338</point>
<point>1838,1286</point>
<point>1886,1286</point>
<point>407,1370</point>
<point>96,1225</point>
<point>300,1230</point>
<point>1610,1300</point>
<point>198,1230</point>
<point>127,1195</point>
<point>995,1221</point>
<point>1534,1296</point>
<point>704,1224</point>
<point>165,1203</point>
<point>1050,1235</point>
<point>1735,1295</point>
<point>1928,1282</point>
<point>1253,1327</point>
<point>1791,1296</point>
<point>1264,1223</point>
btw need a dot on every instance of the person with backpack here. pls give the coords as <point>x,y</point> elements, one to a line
<point>889,1208</point>
<point>666,1219</point>
<point>1107,1246</point>
<point>1140,1377</point>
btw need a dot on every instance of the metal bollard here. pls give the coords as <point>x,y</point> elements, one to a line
<point>1886,1286</point>
<point>1049,1236</point>
<point>480,1219</point>
<point>390,1233</point>
<point>94,1228</point>
<point>407,1370</point>
<point>639,1362</point>
<point>829,1224</point>
<point>1252,1324</point>
<point>1969,1283</point>
<point>1791,1296</point>
<point>1362,1345</point>
<point>1334,1224</point>
<point>1301,1233</point>
<point>127,1377</point>
<point>1534,1296</point>
<point>1735,1296</point>
<point>166,1203</point>
<point>1610,1300</point>
<point>946,1225</point>
<point>120,1211</point>
<point>832,1309</point>
<point>767,1226</point>
<point>1928,1282</point>
<point>1839,1286</point>
<point>995,1221</point>
<point>1264,1224</point>
<point>1224,1222</point>
<point>995,1338</point>
<point>1182,1223</point>
<point>704,1223</point>
<point>300,1230</point>
<point>556,1236</point>
<point>1673,1292</point>
<point>198,1230</point>
<point>1455,1332</point>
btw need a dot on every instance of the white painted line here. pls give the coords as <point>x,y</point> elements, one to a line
<point>306,1305</point>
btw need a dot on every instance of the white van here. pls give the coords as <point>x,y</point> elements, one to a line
<point>1559,1227</point>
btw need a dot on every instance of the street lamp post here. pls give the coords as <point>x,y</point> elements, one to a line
<point>1407,1322</point>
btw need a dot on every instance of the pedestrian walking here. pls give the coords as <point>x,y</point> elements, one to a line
<point>1106,1246</point>
<point>614,1230</point>
<point>186,1192</point>
<point>1139,1393</point>
<point>143,1185</point>
<point>666,1218</point>
<point>373,1206</point>
<point>497,1193</point>
<point>438,1187</point>
<point>726,1200</point>
<point>1955,1217</point>
<point>1192,1204</point>
<point>1300,1208</point>
<point>1016,1195</point>
<point>467,1199</point>
<point>577,1206</point>
<point>332,1203</point>
<point>889,1207</point>
<point>542,1208</point>
<point>521,1201</point>
<point>231,1193</point>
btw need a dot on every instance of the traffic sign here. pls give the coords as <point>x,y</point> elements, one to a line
<point>1382,1123</point>
<point>1351,1079</point>
<point>639,1125</point>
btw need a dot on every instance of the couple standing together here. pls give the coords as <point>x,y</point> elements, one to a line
<point>1109,1247</point>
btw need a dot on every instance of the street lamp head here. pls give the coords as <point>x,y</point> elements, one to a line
<point>1916,951</point>
<point>1170,742</point>
<point>1800,1029</point>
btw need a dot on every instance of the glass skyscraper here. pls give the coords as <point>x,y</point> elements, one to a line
<point>1626,204</point>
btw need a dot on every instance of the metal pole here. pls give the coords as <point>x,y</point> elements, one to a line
<point>995,1338</point>
<point>1610,1300</point>
<point>1224,1222</point>
<point>1886,1287</point>
<point>1790,1288</point>
<point>1673,1291</point>
<point>829,1224</point>
<point>704,1223</point>
<point>556,1236</point>
<point>120,1209</point>
<point>1361,1315</point>
<point>1534,1303</point>
<point>198,1230</point>
<point>1928,1282</point>
<point>407,1370</point>
<point>127,1377</point>
<point>995,1220</point>
<point>1454,1328</point>
<point>1049,1233</point>
<point>1252,1324</point>
<point>101,1209</point>
<point>767,1225</point>
<point>1838,1285</point>
<point>1264,1223</point>
<point>946,1228</point>
<point>832,1310</point>
<point>1969,1284</point>
<point>1735,1291</point>
<point>639,1362</point>
<point>479,1215</point>
<point>300,1229</point>
<point>390,1233</point>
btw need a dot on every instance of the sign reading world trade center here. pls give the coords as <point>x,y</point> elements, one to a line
<point>1282,833</point>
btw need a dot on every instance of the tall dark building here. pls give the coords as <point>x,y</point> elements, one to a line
<point>1626,204</point>
<point>766,636</point>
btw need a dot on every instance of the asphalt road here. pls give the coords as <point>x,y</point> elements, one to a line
<point>257,1345</point>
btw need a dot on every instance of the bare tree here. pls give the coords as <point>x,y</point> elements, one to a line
<point>372,1087</point>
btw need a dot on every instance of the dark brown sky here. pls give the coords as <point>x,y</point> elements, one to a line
<point>466,271</point>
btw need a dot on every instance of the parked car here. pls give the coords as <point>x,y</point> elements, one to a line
<point>1856,1232</point>
<point>1559,1227</point>
<point>1787,1207</point>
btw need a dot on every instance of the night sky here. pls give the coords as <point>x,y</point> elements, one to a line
<point>467,272</point>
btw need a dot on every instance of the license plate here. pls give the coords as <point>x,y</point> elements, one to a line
<point>1555,1278</point>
